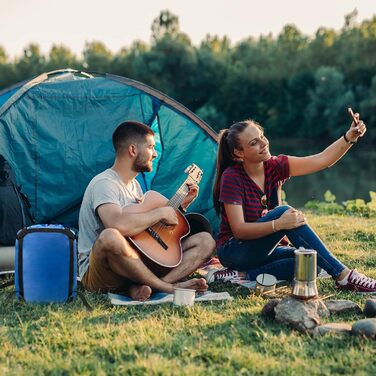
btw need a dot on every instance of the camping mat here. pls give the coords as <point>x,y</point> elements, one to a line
<point>161,297</point>
<point>252,284</point>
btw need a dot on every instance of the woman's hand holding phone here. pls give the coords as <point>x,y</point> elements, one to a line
<point>357,128</point>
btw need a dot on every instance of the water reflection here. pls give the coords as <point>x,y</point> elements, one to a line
<point>352,177</point>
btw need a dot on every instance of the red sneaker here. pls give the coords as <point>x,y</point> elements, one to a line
<point>223,275</point>
<point>359,282</point>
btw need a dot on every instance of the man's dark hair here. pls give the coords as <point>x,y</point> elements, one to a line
<point>129,132</point>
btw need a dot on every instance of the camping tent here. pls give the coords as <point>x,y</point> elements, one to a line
<point>56,129</point>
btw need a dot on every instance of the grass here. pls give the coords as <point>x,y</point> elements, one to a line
<point>217,339</point>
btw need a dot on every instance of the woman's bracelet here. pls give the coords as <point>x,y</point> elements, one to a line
<point>348,141</point>
<point>273,226</point>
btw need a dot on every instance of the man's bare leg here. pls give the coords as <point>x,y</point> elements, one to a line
<point>196,250</point>
<point>139,292</point>
<point>115,253</point>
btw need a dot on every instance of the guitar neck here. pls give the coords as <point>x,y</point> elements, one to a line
<point>177,199</point>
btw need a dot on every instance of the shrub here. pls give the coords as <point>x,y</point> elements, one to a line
<point>350,207</point>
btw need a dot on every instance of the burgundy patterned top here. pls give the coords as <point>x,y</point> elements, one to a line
<point>239,189</point>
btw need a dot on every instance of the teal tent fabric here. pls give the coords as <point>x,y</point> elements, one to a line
<point>146,179</point>
<point>56,133</point>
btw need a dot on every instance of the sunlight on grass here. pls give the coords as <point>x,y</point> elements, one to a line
<point>228,338</point>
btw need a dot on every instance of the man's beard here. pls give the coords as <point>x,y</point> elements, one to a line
<point>141,165</point>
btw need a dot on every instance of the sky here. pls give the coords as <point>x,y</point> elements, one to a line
<point>118,23</point>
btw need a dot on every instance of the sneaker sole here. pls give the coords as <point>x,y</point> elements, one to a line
<point>340,288</point>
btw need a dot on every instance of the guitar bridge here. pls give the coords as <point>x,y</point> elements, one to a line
<point>155,236</point>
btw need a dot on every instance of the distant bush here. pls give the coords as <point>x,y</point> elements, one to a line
<point>351,207</point>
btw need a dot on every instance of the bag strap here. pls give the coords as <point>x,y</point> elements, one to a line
<point>82,296</point>
<point>21,205</point>
<point>84,301</point>
<point>79,293</point>
<point>7,284</point>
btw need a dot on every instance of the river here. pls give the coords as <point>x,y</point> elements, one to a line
<point>352,177</point>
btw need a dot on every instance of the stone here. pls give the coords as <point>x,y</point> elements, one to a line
<point>303,315</point>
<point>342,306</point>
<point>268,309</point>
<point>365,327</point>
<point>370,308</point>
<point>333,328</point>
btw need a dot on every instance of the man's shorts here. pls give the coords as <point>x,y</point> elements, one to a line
<point>98,278</point>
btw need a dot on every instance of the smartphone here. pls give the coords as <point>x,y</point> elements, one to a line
<point>353,118</point>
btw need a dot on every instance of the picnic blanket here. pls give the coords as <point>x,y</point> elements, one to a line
<point>252,284</point>
<point>214,263</point>
<point>162,297</point>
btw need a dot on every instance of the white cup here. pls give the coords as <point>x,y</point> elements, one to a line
<point>184,297</point>
<point>265,283</point>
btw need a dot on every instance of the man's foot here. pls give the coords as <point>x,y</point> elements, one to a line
<point>223,275</point>
<point>359,282</point>
<point>139,292</point>
<point>198,284</point>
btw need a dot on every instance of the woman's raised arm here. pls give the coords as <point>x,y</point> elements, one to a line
<point>328,157</point>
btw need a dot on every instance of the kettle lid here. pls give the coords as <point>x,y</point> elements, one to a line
<point>304,251</point>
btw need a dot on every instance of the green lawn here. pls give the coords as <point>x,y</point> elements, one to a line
<point>217,339</point>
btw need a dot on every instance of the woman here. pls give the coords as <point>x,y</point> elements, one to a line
<point>253,227</point>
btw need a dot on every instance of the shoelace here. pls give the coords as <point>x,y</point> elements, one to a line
<point>362,280</point>
<point>225,273</point>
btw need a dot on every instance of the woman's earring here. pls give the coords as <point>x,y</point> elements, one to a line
<point>236,159</point>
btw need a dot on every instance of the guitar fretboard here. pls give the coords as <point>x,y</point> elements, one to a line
<point>177,199</point>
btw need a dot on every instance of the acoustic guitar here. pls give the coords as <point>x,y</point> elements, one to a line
<point>161,243</point>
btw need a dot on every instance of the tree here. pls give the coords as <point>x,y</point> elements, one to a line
<point>127,61</point>
<point>7,75</point>
<point>31,64</point>
<point>61,57</point>
<point>169,66</point>
<point>3,56</point>
<point>170,63</point>
<point>292,119</point>
<point>166,24</point>
<point>355,52</point>
<point>320,51</point>
<point>292,84</point>
<point>350,20</point>
<point>326,111</point>
<point>368,107</point>
<point>213,58</point>
<point>290,48</point>
<point>97,57</point>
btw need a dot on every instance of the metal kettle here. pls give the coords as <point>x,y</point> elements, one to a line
<point>305,272</point>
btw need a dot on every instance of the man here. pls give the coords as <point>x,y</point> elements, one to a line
<point>107,260</point>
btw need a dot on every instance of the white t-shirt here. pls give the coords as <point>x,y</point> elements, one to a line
<point>105,188</point>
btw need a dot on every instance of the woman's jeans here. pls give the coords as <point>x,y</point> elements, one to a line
<point>265,255</point>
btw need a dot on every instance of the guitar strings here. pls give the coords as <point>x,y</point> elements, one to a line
<point>169,234</point>
<point>175,202</point>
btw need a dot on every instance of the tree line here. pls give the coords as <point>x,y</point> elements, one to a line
<point>293,84</point>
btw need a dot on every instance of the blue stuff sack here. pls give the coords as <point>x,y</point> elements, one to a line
<point>46,264</point>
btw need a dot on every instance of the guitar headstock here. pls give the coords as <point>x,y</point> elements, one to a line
<point>194,172</point>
